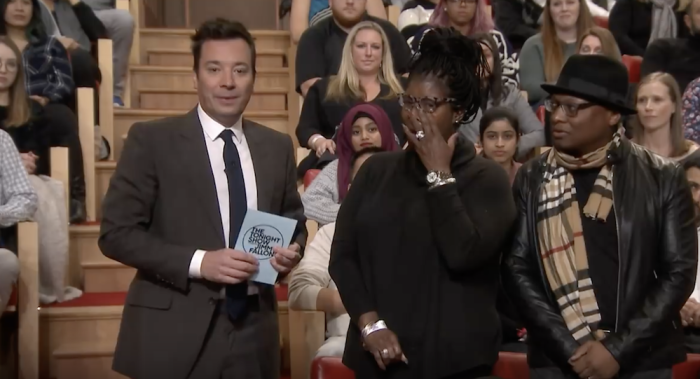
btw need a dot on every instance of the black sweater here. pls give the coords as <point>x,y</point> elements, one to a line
<point>427,261</point>
<point>31,137</point>
<point>679,57</point>
<point>630,24</point>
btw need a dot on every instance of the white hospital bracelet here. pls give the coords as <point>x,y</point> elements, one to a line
<point>373,327</point>
<point>312,143</point>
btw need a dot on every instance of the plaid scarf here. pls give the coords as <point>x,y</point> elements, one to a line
<point>560,235</point>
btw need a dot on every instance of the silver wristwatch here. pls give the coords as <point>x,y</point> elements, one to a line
<point>439,178</point>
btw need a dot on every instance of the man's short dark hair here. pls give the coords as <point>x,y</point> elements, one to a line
<point>221,29</point>
<point>693,161</point>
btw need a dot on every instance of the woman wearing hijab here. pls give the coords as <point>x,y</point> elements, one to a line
<point>365,125</point>
<point>416,249</point>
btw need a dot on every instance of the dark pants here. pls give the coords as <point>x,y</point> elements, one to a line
<point>86,73</point>
<point>247,349</point>
<point>555,373</point>
<point>63,131</point>
<point>481,372</point>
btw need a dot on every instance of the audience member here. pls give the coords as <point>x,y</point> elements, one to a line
<point>690,314</point>
<point>321,47</point>
<point>637,23</point>
<point>306,13</point>
<point>657,125</point>
<point>120,29</point>
<point>496,92</point>
<point>75,25</point>
<point>608,227</point>
<point>545,53</point>
<point>471,17</point>
<point>311,287</point>
<point>18,202</point>
<point>599,41</point>
<point>414,14</point>
<point>365,125</point>
<point>691,111</point>
<point>499,133</point>
<point>189,270</point>
<point>49,82</point>
<point>366,74</point>
<point>521,19</point>
<point>441,214</point>
<point>679,57</point>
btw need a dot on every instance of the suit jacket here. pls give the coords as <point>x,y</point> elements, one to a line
<point>160,207</point>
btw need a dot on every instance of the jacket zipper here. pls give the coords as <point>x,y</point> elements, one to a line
<point>619,257</point>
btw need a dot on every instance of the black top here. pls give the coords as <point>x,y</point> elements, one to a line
<point>320,49</point>
<point>32,137</point>
<point>427,261</point>
<point>321,116</point>
<point>517,20</point>
<point>679,57</point>
<point>630,24</point>
<point>602,249</point>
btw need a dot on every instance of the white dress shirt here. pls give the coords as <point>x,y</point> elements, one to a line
<point>215,148</point>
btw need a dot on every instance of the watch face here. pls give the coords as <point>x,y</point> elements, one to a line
<point>432,177</point>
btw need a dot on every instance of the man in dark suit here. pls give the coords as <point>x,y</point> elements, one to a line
<point>173,211</point>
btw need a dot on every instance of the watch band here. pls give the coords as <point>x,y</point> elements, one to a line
<point>373,327</point>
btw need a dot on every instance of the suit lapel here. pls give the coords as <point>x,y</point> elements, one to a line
<point>194,159</point>
<point>261,162</point>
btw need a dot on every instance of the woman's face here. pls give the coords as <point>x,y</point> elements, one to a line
<point>591,46</point>
<point>654,106</point>
<point>367,51</point>
<point>18,13</point>
<point>488,55</point>
<point>564,13</point>
<point>8,67</point>
<point>460,12</point>
<point>365,133</point>
<point>430,95</point>
<point>500,141</point>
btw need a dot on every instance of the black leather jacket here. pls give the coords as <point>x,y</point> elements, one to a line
<point>658,256</point>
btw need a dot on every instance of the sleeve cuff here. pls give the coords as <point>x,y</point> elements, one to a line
<point>196,264</point>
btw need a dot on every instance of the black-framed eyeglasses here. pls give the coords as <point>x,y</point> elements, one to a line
<point>570,110</point>
<point>426,104</point>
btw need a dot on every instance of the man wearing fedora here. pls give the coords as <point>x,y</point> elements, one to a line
<point>605,247</point>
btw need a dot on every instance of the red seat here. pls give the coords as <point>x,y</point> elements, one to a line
<point>511,366</point>
<point>330,368</point>
<point>689,369</point>
<point>541,113</point>
<point>601,21</point>
<point>634,67</point>
<point>309,177</point>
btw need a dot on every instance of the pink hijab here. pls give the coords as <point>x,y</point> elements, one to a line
<point>344,149</point>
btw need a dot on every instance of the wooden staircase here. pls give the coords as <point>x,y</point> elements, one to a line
<point>77,338</point>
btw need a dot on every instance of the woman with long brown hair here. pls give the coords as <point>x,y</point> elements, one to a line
<point>658,125</point>
<point>600,41</point>
<point>545,53</point>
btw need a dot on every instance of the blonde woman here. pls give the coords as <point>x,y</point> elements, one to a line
<point>545,53</point>
<point>657,125</point>
<point>366,75</point>
<point>599,41</point>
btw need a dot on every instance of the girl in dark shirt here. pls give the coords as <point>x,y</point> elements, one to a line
<point>416,249</point>
<point>366,75</point>
<point>35,131</point>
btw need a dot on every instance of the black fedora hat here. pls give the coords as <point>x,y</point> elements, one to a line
<point>594,78</point>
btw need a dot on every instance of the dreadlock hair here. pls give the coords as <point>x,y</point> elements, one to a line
<point>456,60</point>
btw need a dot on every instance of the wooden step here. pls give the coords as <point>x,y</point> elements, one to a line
<point>103,174</point>
<point>181,78</point>
<point>181,39</point>
<point>125,117</point>
<point>183,57</point>
<point>60,326</point>
<point>84,360</point>
<point>272,99</point>
<point>83,248</point>
<point>111,276</point>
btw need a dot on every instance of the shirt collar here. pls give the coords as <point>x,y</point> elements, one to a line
<point>212,128</point>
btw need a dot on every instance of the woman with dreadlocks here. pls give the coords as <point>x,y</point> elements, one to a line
<point>416,249</point>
